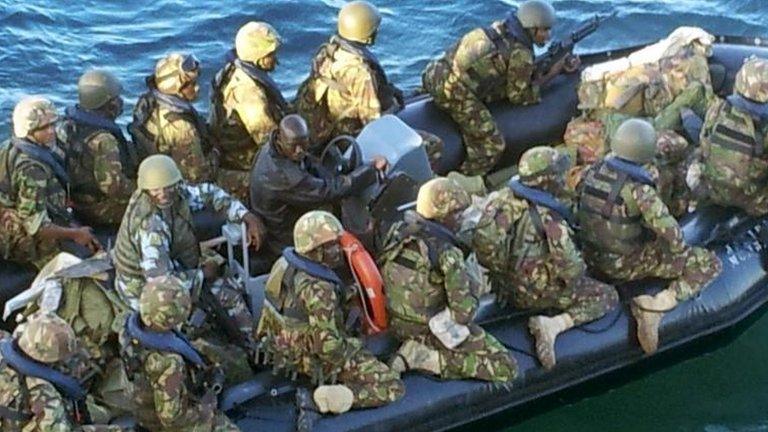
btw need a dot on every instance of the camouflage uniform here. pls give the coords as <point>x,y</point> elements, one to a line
<point>167,384</point>
<point>302,328</point>
<point>486,65</point>
<point>733,148</point>
<point>635,236</point>
<point>43,406</point>
<point>102,167</point>
<point>673,157</point>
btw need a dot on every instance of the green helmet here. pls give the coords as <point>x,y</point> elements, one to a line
<point>314,229</point>
<point>635,140</point>
<point>752,80</point>
<point>358,21</point>
<point>33,112</point>
<point>47,338</point>
<point>441,197</point>
<point>293,131</point>
<point>97,87</point>
<point>541,161</point>
<point>536,13</point>
<point>256,40</point>
<point>158,171</point>
<point>164,303</point>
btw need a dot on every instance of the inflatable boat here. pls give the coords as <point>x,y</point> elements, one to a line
<point>267,402</point>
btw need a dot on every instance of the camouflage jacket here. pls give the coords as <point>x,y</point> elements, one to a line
<point>149,242</point>
<point>424,275</point>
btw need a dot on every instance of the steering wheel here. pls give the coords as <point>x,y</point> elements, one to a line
<point>332,158</point>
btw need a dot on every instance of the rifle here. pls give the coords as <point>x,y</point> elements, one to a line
<point>563,48</point>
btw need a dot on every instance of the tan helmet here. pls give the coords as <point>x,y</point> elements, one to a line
<point>97,87</point>
<point>441,197</point>
<point>164,303</point>
<point>752,80</point>
<point>31,113</point>
<point>358,21</point>
<point>158,171</point>
<point>635,141</point>
<point>47,338</point>
<point>256,40</point>
<point>174,71</point>
<point>536,13</point>
<point>314,229</point>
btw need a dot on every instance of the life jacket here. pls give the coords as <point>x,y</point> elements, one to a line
<point>608,222</point>
<point>228,131</point>
<point>18,152</point>
<point>406,264</point>
<point>177,108</point>
<point>80,126</point>
<point>26,366</point>
<point>370,285</point>
<point>169,341</point>
<point>183,244</point>
<point>733,146</point>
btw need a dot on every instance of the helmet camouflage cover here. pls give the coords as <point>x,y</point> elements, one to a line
<point>33,112</point>
<point>542,161</point>
<point>314,229</point>
<point>175,70</point>
<point>164,303</point>
<point>440,197</point>
<point>752,80</point>
<point>47,338</point>
<point>256,40</point>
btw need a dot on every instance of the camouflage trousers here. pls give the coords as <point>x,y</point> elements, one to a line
<point>231,297</point>
<point>236,182</point>
<point>480,356</point>
<point>483,142</point>
<point>728,196</point>
<point>106,211</point>
<point>18,246</point>
<point>372,382</point>
<point>585,299</point>
<point>689,271</point>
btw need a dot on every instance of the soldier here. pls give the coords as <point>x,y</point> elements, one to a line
<point>175,386</point>
<point>156,238</point>
<point>429,294</point>
<point>525,238</point>
<point>302,326</point>
<point>492,64</point>
<point>40,387</point>
<point>101,163</point>
<point>284,184</point>
<point>629,234</point>
<point>165,121</point>
<point>246,105</point>
<point>34,215</point>
<point>347,87</point>
<point>732,165</point>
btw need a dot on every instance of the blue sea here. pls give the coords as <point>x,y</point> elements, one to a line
<point>721,385</point>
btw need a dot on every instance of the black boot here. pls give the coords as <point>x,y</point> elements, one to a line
<point>308,413</point>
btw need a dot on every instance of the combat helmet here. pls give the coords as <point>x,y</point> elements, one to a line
<point>47,338</point>
<point>293,131</point>
<point>635,141</point>
<point>441,197</point>
<point>174,71</point>
<point>541,161</point>
<point>536,14</point>
<point>256,40</point>
<point>314,229</point>
<point>158,171</point>
<point>31,113</point>
<point>358,21</point>
<point>752,80</point>
<point>97,87</point>
<point>164,303</point>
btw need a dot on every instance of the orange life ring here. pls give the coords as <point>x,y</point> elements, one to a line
<point>369,282</point>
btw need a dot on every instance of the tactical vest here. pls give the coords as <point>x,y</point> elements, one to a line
<point>608,222</point>
<point>184,246</point>
<point>177,108</point>
<point>733,146</point>
<point>80,127</point>
<point>411,256</point>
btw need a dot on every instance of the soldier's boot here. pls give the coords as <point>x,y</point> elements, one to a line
<point>545,330</point>
<point>648,311</point>
<point>308,414</point>
<point>414,355</point>
<point>336,399</point>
